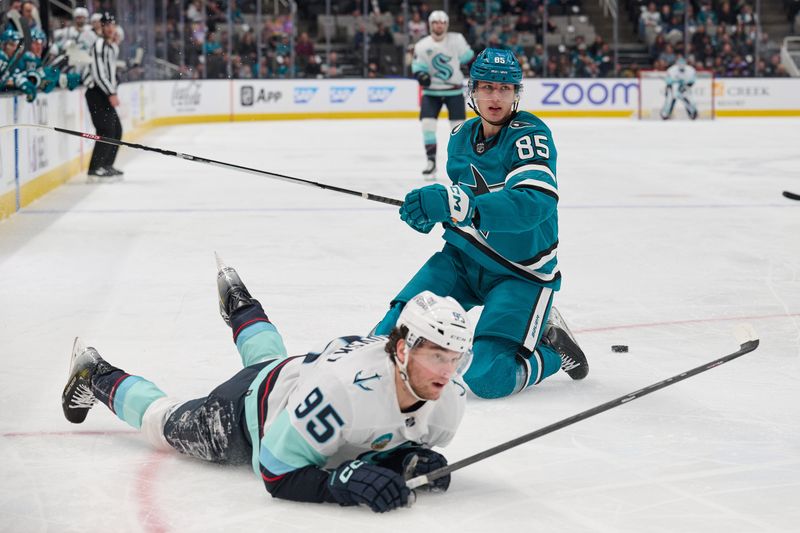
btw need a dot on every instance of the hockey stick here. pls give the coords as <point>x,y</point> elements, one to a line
<point>196,159</point>
<point>791,195</point>
<point>748,343</point>
<point>15,55</point>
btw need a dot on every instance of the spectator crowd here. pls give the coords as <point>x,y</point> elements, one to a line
<point>225,38</point>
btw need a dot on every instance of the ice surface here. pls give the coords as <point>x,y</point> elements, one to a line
<point>671,234</point>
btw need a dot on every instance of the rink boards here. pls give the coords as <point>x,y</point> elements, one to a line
<point>33,162</point>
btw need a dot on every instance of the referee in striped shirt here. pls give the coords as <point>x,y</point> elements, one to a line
<point>101,97</point>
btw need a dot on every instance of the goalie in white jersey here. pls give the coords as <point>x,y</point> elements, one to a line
<point>437,67</point>
<point>347,425</point>
<point>680,79</point>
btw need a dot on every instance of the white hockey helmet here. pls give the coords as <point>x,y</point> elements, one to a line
<point>440,320</point>
<point>80,12</point>
<point>438,16</point>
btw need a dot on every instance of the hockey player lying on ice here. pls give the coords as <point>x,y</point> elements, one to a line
<point>348,425</point>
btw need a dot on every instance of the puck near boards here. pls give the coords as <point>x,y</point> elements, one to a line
<point>619,348</point>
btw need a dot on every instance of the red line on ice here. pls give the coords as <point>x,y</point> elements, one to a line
<point>150,514</point>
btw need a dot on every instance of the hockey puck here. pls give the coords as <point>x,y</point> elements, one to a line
<point>619,348</point>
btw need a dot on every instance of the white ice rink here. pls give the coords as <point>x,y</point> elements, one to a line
<point>671,234</point>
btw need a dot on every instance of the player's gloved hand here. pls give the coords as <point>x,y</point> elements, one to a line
<point>437,203</point>
<point>73,80</point>
<point>424,79</point>
<point>50,80</point>
<point>423,461</point>
<point>356,482</point>
<point>425,227</point>
<point>29,89</point>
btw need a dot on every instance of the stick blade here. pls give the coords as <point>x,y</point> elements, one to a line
<point>746,336</point>
<point>791,195</point>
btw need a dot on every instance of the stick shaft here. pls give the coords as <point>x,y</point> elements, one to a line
<point>198,159</point>
<point>745,348</point>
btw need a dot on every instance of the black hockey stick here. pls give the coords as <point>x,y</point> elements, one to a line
<point>747,339</point>
<point>13,59</point>
<point>196,159</point>
<point>791,195</point>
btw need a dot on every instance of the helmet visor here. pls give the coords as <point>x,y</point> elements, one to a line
<point>435,358</point>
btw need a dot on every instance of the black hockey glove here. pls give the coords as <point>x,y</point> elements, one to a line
<point>424,461</point>
<point>424,79</point>
<point>413,461</point>
<point>356,482</point>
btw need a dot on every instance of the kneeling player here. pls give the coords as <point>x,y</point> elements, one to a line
<point>342,426</point>
<point>500,218</point>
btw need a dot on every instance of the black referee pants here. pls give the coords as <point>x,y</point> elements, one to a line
<point>106,123</point>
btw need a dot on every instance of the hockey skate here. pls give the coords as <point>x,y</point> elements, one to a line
<point>429,174</point>
<point>104,175</point>
<point>558,337</point>
<point>233,294</point>
<point>77,398</point>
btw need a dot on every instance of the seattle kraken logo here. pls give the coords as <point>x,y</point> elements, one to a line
<point>358,380</point>
<point>441,63</point>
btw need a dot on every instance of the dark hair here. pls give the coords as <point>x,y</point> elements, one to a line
<point>398,333</point>
<point>395,335</point>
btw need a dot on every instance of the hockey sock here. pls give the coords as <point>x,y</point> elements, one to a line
<point>429,137</point>
<point>544,362</point>
<point>127,396</point>
<point>256,338</point>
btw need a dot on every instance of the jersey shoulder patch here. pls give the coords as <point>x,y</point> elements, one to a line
<point>517,124</point>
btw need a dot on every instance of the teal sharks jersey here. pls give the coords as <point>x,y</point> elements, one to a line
<point>513,178</point>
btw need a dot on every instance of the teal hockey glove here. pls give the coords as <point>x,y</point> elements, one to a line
<point>437,203</point>
<point>50,80</point>
<point>422,228</point>
<point>73,80</point>
<point>29,89</point>
<point>357,482</point>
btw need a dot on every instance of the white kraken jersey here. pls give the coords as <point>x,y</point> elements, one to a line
<point>681,75</point>
<point>442,60</point>
<point>344,403</point>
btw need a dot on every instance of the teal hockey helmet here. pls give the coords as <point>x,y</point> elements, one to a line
<point>496,65</point>
<point>38,35</point>
<point>10,36</point>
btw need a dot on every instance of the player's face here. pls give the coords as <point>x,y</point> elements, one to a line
<point>36,48</point>
<point>109,30</point>
<point>438,27</point>
<point>430,368</point>
<point>494,100</point>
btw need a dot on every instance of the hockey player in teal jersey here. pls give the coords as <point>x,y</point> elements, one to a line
<point>500,223</point>
<point>344,425</point>
<point>12,67</point>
